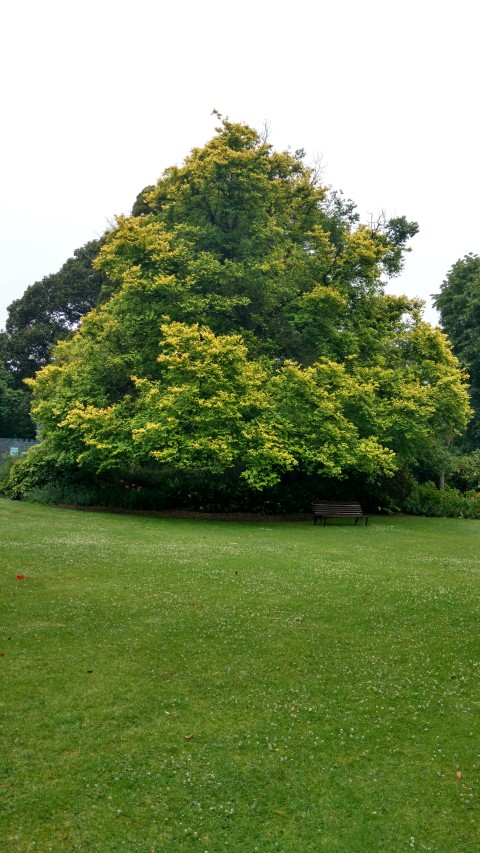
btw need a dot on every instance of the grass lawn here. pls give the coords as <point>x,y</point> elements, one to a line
<point>173,685</point>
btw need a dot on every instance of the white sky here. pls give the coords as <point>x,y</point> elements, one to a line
<point>98,97</point>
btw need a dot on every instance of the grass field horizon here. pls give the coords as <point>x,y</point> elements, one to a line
<point>188,685</point>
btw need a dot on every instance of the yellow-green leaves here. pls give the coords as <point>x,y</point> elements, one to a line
<point>247,331</point>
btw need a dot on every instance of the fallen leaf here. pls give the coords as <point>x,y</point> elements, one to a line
<point>188,737</point>
<point>459,774</point>
<point>279,811</point>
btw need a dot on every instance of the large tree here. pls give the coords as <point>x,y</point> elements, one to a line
<point>459,306</point>
<point>248,331</point>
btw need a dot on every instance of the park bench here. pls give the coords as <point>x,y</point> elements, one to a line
<point>337,509</point>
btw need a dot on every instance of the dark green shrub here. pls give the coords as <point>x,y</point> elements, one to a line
<point>38,470</point>
<point>466,473</point>
<point>6,464</point>
<point>427,499</point>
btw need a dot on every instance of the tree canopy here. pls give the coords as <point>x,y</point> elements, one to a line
<point>459,306</point>
<point>48,311</point>
<point>247,330</point>
<point>15,421</point>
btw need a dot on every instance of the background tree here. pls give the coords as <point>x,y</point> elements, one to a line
<point>48,311</point>
<point>15,421</point>
<point>459,306</point>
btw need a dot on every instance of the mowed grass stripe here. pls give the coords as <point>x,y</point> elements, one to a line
<point>175,685</point>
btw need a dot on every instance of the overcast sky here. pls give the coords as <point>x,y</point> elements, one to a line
<point>99,97</point>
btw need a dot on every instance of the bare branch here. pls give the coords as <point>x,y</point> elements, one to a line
<point>265,133</point>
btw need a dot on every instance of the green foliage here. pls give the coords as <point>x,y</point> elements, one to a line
<point>69,494</point>
<point>466,470</point>
<point>247,335</point>
<point>459,305</point>
<point>35,469</point>
<point>245,240</point>
<point>427,499</point>
<point>48,311</point>
<point>15,421</point>
<point>6,464</point>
